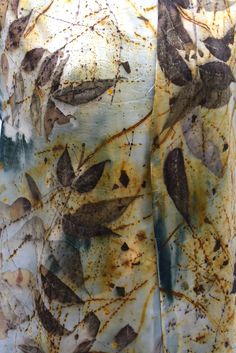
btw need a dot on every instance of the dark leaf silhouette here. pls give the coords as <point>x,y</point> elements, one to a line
<point>36,195</point>
<point>84,347</point>
<point>50,324</point>
<point>233,291</point>
<point>31,59</point>
<point>176,181</point>
<point>200,146</point>
<point>19,208</point>
<point>183,3</point>
<point>36,110</point>
<point>124,337</point>
<point>187,99</point>
<point>65,171</point>
<point>3,11</point>
<point>217,5</point>
<point>14,6</point>
<point>216,75</point>
<point>89,179</point>
<point>54,115</point>
<point>84,92</point>
<point>172,64</point>
<point>216,98</point>
<point>126,66</point>
<point>219,47</point>
<point>55,289</point>
<point>16,31</point>
<point>57,75</point>
<point>92,324</point>
<point>124,178</point>
<point>26,348</point>
<point>19,92</point>
<point>47,68</point>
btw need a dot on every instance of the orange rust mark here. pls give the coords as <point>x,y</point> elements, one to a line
<point>189,19</point>
<point>145,307</point>
<point>150,8</point>
<point>172,233</point>
<point>139,14</point>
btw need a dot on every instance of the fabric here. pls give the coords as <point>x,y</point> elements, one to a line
<point>117,178</point>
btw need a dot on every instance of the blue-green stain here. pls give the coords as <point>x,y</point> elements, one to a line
<point>14,154</point>
<point>164,258</point>
<point>77,243</point>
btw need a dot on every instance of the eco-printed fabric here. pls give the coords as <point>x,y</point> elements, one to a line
<point>117,180</point>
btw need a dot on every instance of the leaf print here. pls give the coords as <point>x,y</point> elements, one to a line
<point>84,347</point>
<point>217,5</point>
<point>183,3</point>
<point>36,195</point>
<point>102,212</point>
<point>14,6</point>
<point>216,99</point>
<point>172,64</point>
<point>89,179</point>
<point>219,47</point>
<point>18,95</point>
<point>54,115</point>
<point>126,66</point>
<point>92,324</point>
<point>4,67</point>
<point>29,349</point>
<point>47,68</point>
<point>84,92</point>
<point>65,171</point>
<point>124,337</point>
<point>200,146</point>
<point>55,289</point>
<point>187,99</point>
<point>57,75</point>
<point>50,324</point>
<point>31,59</point>
<point>124,178</point>
<point>176,181</point>
<point>19,208</point>
<point>36,110</point>
<point>216,75</point>
<point>3,11</point>
<point>16,31</point>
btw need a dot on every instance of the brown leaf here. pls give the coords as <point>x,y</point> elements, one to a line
<point>16,31</point>
<point>215,99</point>
<point>216,75</point>
<point>50,324</point>
<point>3,11</point>
<point>200,146</point>
<point>47,68</point>
<point>124,337</point>
<point>229,37</point>
<point>4,67</point>
<point>89,179</point>
<point>19,208</point>
<point>14,6</point>
<point>84,347</point>
<point>36,195</point>
<point>36,111</point>
<point>65,171</point>
<point>57,75</point>
<point>124,178</point>
<point>31,59</point>
<point>84,92</point>
<point>176,181</point>
<point>92,324</point>
<point>55,289</point>
<point>126,66</point>
<point>54,115</point>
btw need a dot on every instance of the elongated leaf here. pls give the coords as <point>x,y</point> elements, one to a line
<point>172,64</point>
<point>84,92</point>
<point>19,208</point>
<point>84,347</point>
<point>16,31</point>
<point>3,11</point>
<point>31,59</point>
<point>200,146</point>
<point>176,181</point>
<point>102,212</point>
<point>57,75</point>
<point>124,337</point>
<point>188,98</point>
<point>36,195</point>
<point>55,289</point>
<point>216,5</point>
<point>65,171</point>
<point>54,115</point>
<point>47,68</point>
<point>29,349</point>
<point>18,95</point>
<point>4,67</point>
<point>229,37</point>
<point>216,98</point>
<point>36,111</point>
<point>89,179</point>
<point>92,324</point>
<point>14,6</point>
<point>50,324</point>
<point>216,75</point>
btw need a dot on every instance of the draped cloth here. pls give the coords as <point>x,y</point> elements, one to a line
<point>117,177</point>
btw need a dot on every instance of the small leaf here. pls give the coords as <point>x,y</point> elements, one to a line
<point>57,75</point>
<point>124,178</point>
<point>176,181</point>
<point>14,6</point>
<point>31,59</point>
<point>54,115</point>
<point>3,11</point>
<point>36,195</point>
<point>47,68</point>
<point>92,324</point>
<point>4,67</point>
<point>89,179</point>
<point>126,66</point>
<point>124,337</point>
<point>84,347</point>
<point>20,208</point>
<point>187,99</point>
<point>172,64</point>
<point>50,324</point>
<point>215,99</point>
<point>16,31</point>
<point>36,111</point>
<point>55,289</point>
<point>65,171</point>
<point>216,75</point>
<point>229,37</point>
<point>200,146</point>
<point>84,92</point>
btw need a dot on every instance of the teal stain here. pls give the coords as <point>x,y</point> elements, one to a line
<point>77,243</point>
